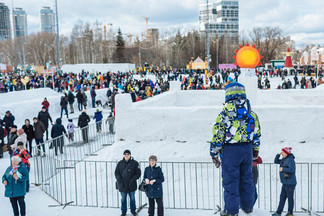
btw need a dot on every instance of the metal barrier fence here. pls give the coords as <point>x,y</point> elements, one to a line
<point>186,186</point>
<point>82,143</point>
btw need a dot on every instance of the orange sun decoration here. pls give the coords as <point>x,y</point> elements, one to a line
<point>248,57</point>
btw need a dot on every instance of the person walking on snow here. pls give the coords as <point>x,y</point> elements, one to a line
<point>111,121</point>
<point>83,122</point>
<point>93,97</point>
<point>98,116</point>
<point>71,98</point>
<point>57,135</point>
<point>8,122</point>
<point>46,104</point>
<point>288,179</point>
<point>79,97</point>
<point>44,117</point>
<point>29,130</point>
<point>236,140</point>
<point>64,104</point>
<point>70,129</point>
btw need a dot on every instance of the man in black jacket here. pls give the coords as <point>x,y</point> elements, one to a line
<point>79,97</point>
<point>71,100</point>
<point>44,116</point>
<point>2,133</point>
<point>57,135</point>
<point>12,138</point>
<point>39,131</point>
<point>83,121</point>
<point>127,172</point>
<point>64,104</point>
<point>8,122</point>
<point>29,131</point>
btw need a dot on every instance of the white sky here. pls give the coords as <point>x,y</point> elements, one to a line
<point>301,19</point>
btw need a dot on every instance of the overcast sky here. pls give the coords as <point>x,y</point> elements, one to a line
<point>301,19</point>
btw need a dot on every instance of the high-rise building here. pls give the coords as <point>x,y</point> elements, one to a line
<point>47,20</point>
<point>20,22</point>
<point>223,18</point>
<point>152,35</point>
<point>5,31</point>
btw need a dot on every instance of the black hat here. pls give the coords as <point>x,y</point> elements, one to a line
<point>43,107</point>
<point>8,112</point>
<point>14,126</point>
<point>127,151</point>
<point>20,144</point>
<point>70,120</point>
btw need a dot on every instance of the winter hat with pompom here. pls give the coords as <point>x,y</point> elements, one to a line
<point>287,150</point>
<point>234,91</point>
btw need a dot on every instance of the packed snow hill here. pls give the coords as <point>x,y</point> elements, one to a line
<point>304,105</point>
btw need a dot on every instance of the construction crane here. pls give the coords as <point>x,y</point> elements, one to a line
<point>130,36</point>
<point>146,20</point>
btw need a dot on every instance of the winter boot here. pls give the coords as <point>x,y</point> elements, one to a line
<point>134,214</point>
<point>123,214</point>
<point>289,214</point>
<point>222,213</point>
<point>276,214</point>
<point>247,211</point>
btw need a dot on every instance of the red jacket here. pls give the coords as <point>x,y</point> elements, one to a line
<point>257,161</point>
<point>24,156</point>
<point>45,104</point>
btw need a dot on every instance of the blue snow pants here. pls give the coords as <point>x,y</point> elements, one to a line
<point>237,177</point>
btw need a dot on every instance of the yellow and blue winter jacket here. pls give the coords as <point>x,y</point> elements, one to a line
<point>235,124</point>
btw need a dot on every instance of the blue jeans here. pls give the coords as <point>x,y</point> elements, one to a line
<point>93,102</point>
<point>124,201</point>
<point>40,142</point>
<point>66,112</point>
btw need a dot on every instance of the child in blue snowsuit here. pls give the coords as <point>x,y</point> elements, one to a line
<point>98,116</point>
<point>235,139</point>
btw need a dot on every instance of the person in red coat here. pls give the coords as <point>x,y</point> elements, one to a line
<point>46,104</point>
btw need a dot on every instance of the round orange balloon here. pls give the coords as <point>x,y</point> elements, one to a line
<point>248,57</point>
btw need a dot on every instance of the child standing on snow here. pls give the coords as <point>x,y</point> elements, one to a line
<point>236,140</point>
<point>98,116</point>
<point>70,130</point>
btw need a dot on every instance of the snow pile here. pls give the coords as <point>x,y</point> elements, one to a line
<point>26,104</point>
<point>177,126</point>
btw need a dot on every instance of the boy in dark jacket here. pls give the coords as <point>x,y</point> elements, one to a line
<point>236,139</point>
<point>98,117</point>
<point>127,172</point>
<point>288,179</point>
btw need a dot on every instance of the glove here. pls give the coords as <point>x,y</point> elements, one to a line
<point>216,161</point>
<point>255,154</point>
